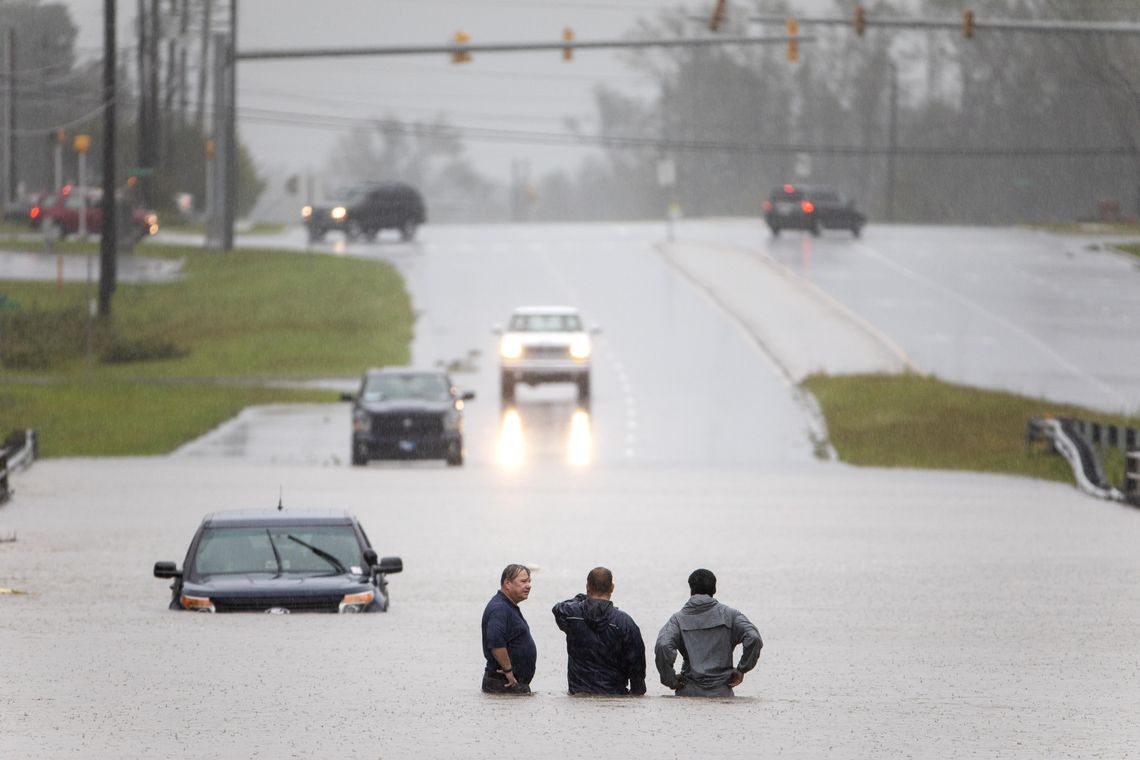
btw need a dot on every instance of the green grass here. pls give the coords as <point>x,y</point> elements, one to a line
<point>921,422</point>
<point>248,316</point>
<point>257,228</point>
<point>106,418</point>
<point>1090,228</point>
<point>1131,249</point>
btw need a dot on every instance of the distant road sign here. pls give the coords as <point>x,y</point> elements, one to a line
<point>141,171</point>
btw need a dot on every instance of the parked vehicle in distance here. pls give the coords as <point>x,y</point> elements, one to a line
<point>406,413</point>
<point>814,209</point>
<point>57,214</point>
<point>280,561</point>
<point>365,210</point>
<point>545,344</point>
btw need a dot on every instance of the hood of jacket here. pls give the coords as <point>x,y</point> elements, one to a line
<point>699,604</point>
<point>596,611</point>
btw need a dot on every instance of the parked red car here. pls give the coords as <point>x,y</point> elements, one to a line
<point>57,214</point>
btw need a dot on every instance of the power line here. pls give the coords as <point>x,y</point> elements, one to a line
<point>642,142</point>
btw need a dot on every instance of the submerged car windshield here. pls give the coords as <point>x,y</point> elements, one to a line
<point>546,323</point>
<point>281,549</point>
<point>426,387</point>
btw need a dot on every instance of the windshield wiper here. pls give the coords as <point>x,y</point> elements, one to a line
<point>276,554</point>
<point>320,553</point>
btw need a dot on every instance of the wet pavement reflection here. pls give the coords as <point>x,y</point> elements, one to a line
<point>542,432</point>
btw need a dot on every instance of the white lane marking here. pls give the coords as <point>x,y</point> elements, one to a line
<point>1011,326</point>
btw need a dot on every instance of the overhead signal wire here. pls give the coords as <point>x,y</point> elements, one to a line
<point>489,134</point>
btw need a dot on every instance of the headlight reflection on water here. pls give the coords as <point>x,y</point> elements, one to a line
<point>511,445</point>
<point>544,436</point>
<point>581,444</point>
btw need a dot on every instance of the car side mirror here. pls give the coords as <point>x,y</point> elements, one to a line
<point>390,565</point>
<point>595,329</point>
<point>348,397</point>
<point>370,557</point>
<point>166,570</point>
<point>497,329</point>
<point>468,396</point>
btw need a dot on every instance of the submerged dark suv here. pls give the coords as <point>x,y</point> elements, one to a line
<point>365,210</point>
<point>280,561</point>
<point>405,413</point>
<point>814,209</point>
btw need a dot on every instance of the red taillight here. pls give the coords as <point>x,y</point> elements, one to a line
<point>767,205</point>
<point>807,206</point>
<point>66,190</point>
<point>789,188</point>
<point>34,212</point>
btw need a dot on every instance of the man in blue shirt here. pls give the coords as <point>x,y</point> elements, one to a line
<point>507,644</point>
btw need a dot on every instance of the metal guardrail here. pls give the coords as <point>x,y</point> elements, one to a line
<point>1082,443</point>
<point>18,452</point>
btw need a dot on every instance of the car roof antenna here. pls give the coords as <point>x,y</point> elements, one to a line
<point>280,497</point>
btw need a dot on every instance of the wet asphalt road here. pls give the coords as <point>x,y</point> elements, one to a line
<point>904,613</point>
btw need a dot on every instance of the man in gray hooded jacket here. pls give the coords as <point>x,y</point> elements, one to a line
<point>706,632</point>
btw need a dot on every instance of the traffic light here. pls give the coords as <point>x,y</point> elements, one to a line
<point>461,56</point>
<point>717,17</point>
<point>968,23</point>
<point>793,43</point>
<point>860,20</point>
<point>568,36</point>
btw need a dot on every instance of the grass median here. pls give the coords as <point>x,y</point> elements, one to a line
<point>178,358</point>
<point>922,422</point>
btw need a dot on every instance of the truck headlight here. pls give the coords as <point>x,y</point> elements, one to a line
<point>338,213</point>
<point>306,212</point>
<point>580,348</point>
<point>356,602</point>
<point>510,347</point>
<point>196,603</point>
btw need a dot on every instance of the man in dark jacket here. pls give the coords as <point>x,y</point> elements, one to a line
<point>508,647</point>
<point>606,654</point>
<point>706,632</point>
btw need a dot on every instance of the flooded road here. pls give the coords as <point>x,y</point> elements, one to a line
<point>931,615</point>
<point>903,613</point>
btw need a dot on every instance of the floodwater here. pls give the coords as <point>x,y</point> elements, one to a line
<point>903,613</point>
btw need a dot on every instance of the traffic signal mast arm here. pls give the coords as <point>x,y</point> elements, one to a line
<point>1006,25</point>
<point>504,47</point>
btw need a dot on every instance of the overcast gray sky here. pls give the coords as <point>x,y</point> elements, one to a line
<point>517,91</point>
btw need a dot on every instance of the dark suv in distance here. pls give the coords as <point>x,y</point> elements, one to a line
<point>280,561</point>
<point>405,413</point>
<point>814,209</point>
<point>365,210</point>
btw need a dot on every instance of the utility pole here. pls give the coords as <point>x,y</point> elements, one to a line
<point>9,120</point>
<point>144,93</point>
<point>10,190</point>
<point>146,181</point>
<point>203,65</point>
<point>892,141</point>
<point>108,241</point>
<point>231,134</point>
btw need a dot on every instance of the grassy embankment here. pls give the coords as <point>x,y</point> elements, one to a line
<point>912,421</point>
<point>179,358</point>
